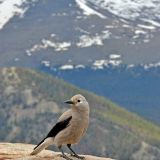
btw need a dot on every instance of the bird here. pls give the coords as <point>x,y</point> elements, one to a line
<point>69,129</point>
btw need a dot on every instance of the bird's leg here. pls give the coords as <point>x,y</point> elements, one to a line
<point>74,153</point>
<point>63,155</point>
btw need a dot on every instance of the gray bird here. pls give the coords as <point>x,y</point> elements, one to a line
<point>69,129</point>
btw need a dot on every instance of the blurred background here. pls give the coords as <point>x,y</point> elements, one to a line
<point>107,50</point>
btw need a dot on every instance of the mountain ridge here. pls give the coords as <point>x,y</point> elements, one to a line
<point>136,88</point>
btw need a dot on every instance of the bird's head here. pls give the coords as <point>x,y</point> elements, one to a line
<point>78,101</point>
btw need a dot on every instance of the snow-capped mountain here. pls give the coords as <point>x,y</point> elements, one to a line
<point>78,31</point>
<point>114,41</point>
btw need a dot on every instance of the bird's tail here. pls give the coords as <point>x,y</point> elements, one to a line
<point>42,145</point>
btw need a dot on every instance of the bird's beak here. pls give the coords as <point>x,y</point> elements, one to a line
<point>69,102</point>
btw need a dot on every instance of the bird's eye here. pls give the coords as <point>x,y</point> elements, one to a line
<point>79,100</point>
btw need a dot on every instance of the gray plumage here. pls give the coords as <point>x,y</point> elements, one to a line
<point>70,127</point>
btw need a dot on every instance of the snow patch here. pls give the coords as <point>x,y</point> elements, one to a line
<point>11,8</point>
<point>146,27</point>
<point>66,67</point>
<point>140,32</point>
<point>115,62</point>
<point>100,64</point>
<point>79,66</point>
<point>57,46</point>
<point>88,10</point>
<point>130,66</point>
<point>114,56</point>
<point>109,27</point>
<point>152,22</point>
<point>87,41</point>
<point>46,63</point>
<point>151,65</point>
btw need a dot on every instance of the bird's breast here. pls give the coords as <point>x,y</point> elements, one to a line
<point>74,131</point>
<point>80,125</point>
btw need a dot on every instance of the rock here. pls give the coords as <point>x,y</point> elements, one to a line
<point>19,151</point>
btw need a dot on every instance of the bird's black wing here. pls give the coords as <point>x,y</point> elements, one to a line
<point>57,128</point>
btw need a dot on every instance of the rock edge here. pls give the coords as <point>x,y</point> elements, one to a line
<point>20,151</point>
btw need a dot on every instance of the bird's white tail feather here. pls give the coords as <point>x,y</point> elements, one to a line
<point>47,142</point>
<point>39,148</point>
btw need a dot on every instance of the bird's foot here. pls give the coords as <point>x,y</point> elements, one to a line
<point>65,157</point>
<point>77,156</point>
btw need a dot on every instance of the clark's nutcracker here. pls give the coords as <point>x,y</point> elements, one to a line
<point>70,127</point>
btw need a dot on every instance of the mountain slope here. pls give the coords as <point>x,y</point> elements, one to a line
<point>136,88</point>
<point>32,101</point>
